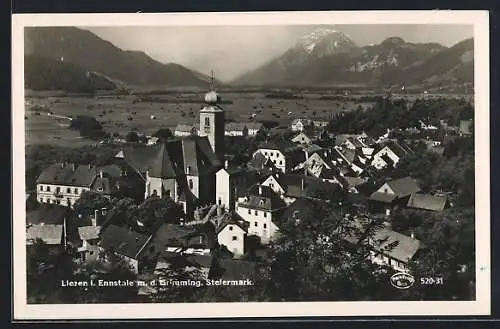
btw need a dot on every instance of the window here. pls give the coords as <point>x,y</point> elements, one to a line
<point>256,224</point>
<point>281,162</point>
<point>265,215</point>
<point>155,192</point>
<point>188,170</point>
<point>168,193</point>
<point>48,188</point>
<point>220,201</point>
<point>68,190</point>
<point>272,184</point>
<point>76,191</point>
<point>235,238</point>
<point>190,184</point>
<point>58,189</point>
<point>207,122</point>
<point>256,213</point>
<point>249,212</point>
<point>230,227</point>
<point>265,225</point>
<point>58,201</point>
<point>41,187</point>
<point>265,153</point>
<point>99,189</point>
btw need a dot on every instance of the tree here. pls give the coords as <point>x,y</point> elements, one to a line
<point>154,212</point>
<point>46,267</point>
<point>132,137</point>
<point>90,201</point>
<point>164,134</point>
<point>313,260</point>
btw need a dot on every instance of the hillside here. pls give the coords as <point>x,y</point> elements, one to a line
<point>393,61</point>
<point>42,73</point>
<point>84,49</point>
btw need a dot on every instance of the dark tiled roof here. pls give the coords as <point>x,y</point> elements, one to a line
<point>302,186</point>
<point>175,157</point>
<point>382,197</point>
<point>234,219</point>
<point>404,186</point>
<point>354,181</point>
<point>106,185</point>
<point>404,247</point>
<point>427,202</point>
<point>171,235</point>
<point>63,174</point>
<point>49,214</point>
<point>123,241</point>
<point>187,128</point>
<point>285,146</point>
<point>267,200</point>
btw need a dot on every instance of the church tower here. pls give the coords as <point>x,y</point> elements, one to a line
<point>212,121</point>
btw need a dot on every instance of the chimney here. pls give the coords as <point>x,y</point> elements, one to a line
<point>260,190</point>
<point>226,164</point>
<point>137,239</point>
<point>73,166</point>
<point>90,166</point>
<point>412,235</point>
<point>302,184</point>
<point>201,239</point>
<point>100,173</point>
<point>62,164</point>
<point>94,219</point>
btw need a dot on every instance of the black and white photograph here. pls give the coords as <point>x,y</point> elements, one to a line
<point>251,164</point>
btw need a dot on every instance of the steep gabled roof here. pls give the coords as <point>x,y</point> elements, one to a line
<point>262,197</point>
<point>64,174</point>
<point>123,241</point>
<point>427,202</point>
<point>404,186</point>
<point>404,247</point>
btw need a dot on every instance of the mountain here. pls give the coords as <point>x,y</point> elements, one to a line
<point>87,51</point>
<point>393,61</point>
<point>315,45</point>
<point>43,73</point>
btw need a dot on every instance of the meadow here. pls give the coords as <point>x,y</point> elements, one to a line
<point>146,112</point>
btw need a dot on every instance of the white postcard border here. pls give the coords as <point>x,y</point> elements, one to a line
<point>480,20</point>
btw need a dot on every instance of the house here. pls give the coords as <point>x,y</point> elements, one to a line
<point>393,249</point>
<point>259,208</point>
<point>285,156</point>
<point>261,164</point>
<point>302,138</point>
<point>310,149</point>
<point>428,202</point>
<point>53,224</point>
<point>63,183</point>
<point>231,183</point>
<point>300,124</point>
<point>320,123</point>
<point>186,130</point>
<point>387,247</point>
<point>232,233</point>
<point>89,235</point>
<point>293,187</point>
<point>390,155</point>
<point>152,140</point>
<point>254,127</point>
<point>395,192</point>
<point>50,234</point>
<point>123,244</point>
<point>236,129</point>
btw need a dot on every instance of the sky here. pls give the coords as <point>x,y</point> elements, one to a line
<point>233,50</point>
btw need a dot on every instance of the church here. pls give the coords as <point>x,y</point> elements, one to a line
<point>184,169</point>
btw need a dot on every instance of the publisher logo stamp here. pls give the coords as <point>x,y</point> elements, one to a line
<point>402,280</point>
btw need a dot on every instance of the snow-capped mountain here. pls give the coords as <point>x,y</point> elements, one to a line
<point>320,43</point>
<point>327,56</point>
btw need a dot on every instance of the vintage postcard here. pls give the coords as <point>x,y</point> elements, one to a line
<point>211,165</point>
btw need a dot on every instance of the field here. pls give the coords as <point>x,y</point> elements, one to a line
<point>147,113</point>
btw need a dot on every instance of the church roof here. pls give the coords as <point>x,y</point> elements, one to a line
<point>190,155</point>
